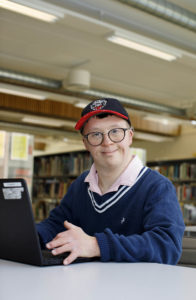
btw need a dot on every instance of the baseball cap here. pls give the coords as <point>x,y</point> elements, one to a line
<point>100,106</point>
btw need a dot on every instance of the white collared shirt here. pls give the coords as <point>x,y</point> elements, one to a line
<point>127,178</point>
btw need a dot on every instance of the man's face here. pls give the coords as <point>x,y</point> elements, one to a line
<point>109,154</point>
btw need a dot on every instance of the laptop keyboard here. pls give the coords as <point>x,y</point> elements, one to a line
<point>50,260</point>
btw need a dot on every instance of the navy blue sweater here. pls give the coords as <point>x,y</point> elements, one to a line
<point>141,223</point>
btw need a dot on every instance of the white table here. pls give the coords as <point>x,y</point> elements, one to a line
<point>97,281</point>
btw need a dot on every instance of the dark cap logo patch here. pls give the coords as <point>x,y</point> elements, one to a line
<point>98,104</point>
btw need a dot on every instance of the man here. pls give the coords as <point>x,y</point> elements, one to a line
<point>119,210</point>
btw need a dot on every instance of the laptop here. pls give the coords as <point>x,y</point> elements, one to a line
<point>19,240</point>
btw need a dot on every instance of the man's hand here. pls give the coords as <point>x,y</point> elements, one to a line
<point>75,241</point>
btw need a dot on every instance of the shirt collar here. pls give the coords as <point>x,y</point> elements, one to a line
<point>128,177</point>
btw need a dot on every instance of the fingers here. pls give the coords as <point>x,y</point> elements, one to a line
<point>69,259</point>
<point>60,239</point>
<point>69,225</point>
<point>62,249</point>
<point>66,248</point>
<point>56,242</point>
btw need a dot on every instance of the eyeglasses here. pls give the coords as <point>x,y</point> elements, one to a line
<point>116,135</point>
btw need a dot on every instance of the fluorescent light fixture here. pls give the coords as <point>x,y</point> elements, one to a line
<point>145,45</point>
<point>157,118</point>
<point>22,94</point>
<point>193,122</point>
<point>81,104</point>
<point>20,91</point>
<point>152,137</point>
<point>48,121</point>
<point>35,9</point>
<point>43,121</point>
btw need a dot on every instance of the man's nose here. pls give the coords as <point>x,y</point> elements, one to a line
<point>106,139</point>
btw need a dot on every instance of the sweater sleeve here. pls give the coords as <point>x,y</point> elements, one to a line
<point>161,239</point>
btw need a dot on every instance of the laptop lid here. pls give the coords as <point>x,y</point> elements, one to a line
<point>18,236</point>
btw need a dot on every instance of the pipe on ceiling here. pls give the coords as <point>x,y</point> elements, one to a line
<point>165,10</point>
<point>21,78</point>
<point>108,17</point>
<point>29,79</point>
<point>139,104</point>
<point>159,8</point>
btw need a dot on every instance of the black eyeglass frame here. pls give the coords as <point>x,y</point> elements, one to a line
<point>108,133</point>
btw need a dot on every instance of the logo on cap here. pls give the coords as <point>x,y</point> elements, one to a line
<point>98,104</point>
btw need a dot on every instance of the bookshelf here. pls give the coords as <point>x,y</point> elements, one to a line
<point>52,176</point>
<point>182,173</point>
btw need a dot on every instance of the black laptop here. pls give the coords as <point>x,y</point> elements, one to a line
<point>19,240</point>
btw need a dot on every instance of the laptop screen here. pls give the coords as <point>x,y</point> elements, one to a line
<point>18,235</point>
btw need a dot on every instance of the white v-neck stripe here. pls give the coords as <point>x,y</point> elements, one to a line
<point>115,198</point>
<point>110,199</point>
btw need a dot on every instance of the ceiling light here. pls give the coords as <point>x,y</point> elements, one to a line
<point>22,93</point>
<point>145,45</point>
<point>35,9</point>
<point>43,121</point>
<point>48,121</point>
<point>81,104</point>
<point>151,137</point>
<point>158,118</point>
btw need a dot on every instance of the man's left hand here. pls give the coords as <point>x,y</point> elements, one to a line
<point>75,241</point>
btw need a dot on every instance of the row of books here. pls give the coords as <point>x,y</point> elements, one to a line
<point>59,165</point>
<point>43,207</point>
<point>183,171</point>
<point>186,192</point>
<point>53,189</point>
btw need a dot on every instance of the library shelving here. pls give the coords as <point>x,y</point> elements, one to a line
<point>52,176</point>
<point>182,173</point>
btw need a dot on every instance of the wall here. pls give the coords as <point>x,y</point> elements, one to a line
<point>183,146</point>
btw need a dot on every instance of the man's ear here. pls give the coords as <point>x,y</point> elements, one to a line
<point>83,139</point>
<point>85,143</point>
<point>131,133</point>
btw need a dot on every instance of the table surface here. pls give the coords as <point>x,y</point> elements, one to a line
<point>96,280</point>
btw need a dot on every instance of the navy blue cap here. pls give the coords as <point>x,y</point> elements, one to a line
<point>100,106</point>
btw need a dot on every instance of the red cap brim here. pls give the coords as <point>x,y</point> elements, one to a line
<point>81,122</point>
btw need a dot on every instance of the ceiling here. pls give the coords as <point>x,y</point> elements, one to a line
<point>78,41</point>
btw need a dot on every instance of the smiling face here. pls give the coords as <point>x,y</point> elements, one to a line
<point>109,154</point>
